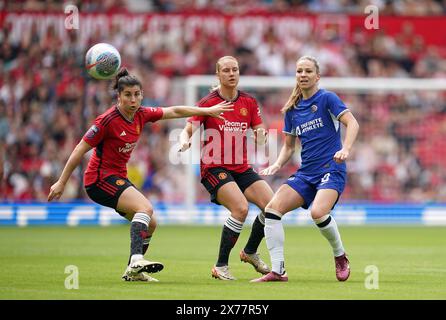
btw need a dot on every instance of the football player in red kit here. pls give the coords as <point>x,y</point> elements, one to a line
<point>113,136</point>
<point>225,171</point>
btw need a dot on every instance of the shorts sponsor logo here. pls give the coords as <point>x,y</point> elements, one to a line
<point>120,182</point>
<point>222,175</point>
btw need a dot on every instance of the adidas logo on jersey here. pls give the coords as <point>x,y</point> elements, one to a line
<point>122,134</point>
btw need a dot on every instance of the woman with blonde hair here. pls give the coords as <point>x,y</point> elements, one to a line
<point>314,116</point>
<point>225,171</point>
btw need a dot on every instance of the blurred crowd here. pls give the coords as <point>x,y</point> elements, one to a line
<point>388,7</point>
<point>400,153</point>
<point>47,101</point>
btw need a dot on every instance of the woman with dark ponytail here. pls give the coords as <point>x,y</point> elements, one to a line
<point>113,136</point>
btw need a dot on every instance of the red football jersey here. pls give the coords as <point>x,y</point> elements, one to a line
<point>114,138</point>
<point>225,140</point>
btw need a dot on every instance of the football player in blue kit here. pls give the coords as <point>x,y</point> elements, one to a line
<point>314,116</point>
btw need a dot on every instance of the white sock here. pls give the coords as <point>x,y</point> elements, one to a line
<point>275,238</point>
<point>142,218</point>
<point>234,224</point>
<point>329,229</point>
<point>261,216</point>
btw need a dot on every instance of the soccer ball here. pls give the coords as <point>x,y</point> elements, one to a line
<point>102,61</point>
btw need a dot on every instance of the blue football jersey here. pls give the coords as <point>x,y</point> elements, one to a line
<point>316,122</point>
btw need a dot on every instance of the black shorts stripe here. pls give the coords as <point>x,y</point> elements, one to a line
<point>213,180</point>
<point>107,188</point>
<point>205,177</point>
<point>101,191</point>
<point>113,187</point>
<point>107,185</point>
<point>213,184</point>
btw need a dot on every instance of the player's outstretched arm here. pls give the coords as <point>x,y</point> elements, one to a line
<point>187,111</point>
<point>76,156</point>
<point>285,154</point>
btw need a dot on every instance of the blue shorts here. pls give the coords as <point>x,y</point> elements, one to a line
<point>307,185</point>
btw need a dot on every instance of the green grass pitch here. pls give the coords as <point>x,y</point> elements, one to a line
<point>411,262</point>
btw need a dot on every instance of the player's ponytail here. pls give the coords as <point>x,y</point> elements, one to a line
<point>296,95</point>
<point>124,79</point>
<point>293,99</point>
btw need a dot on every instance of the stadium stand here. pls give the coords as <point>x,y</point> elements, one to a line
<point>47,102</point>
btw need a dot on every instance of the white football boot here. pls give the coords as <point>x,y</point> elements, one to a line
<point>144,266</point>
<point>255,261</point>
<point>222,273</point>
<point>142,276</point>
